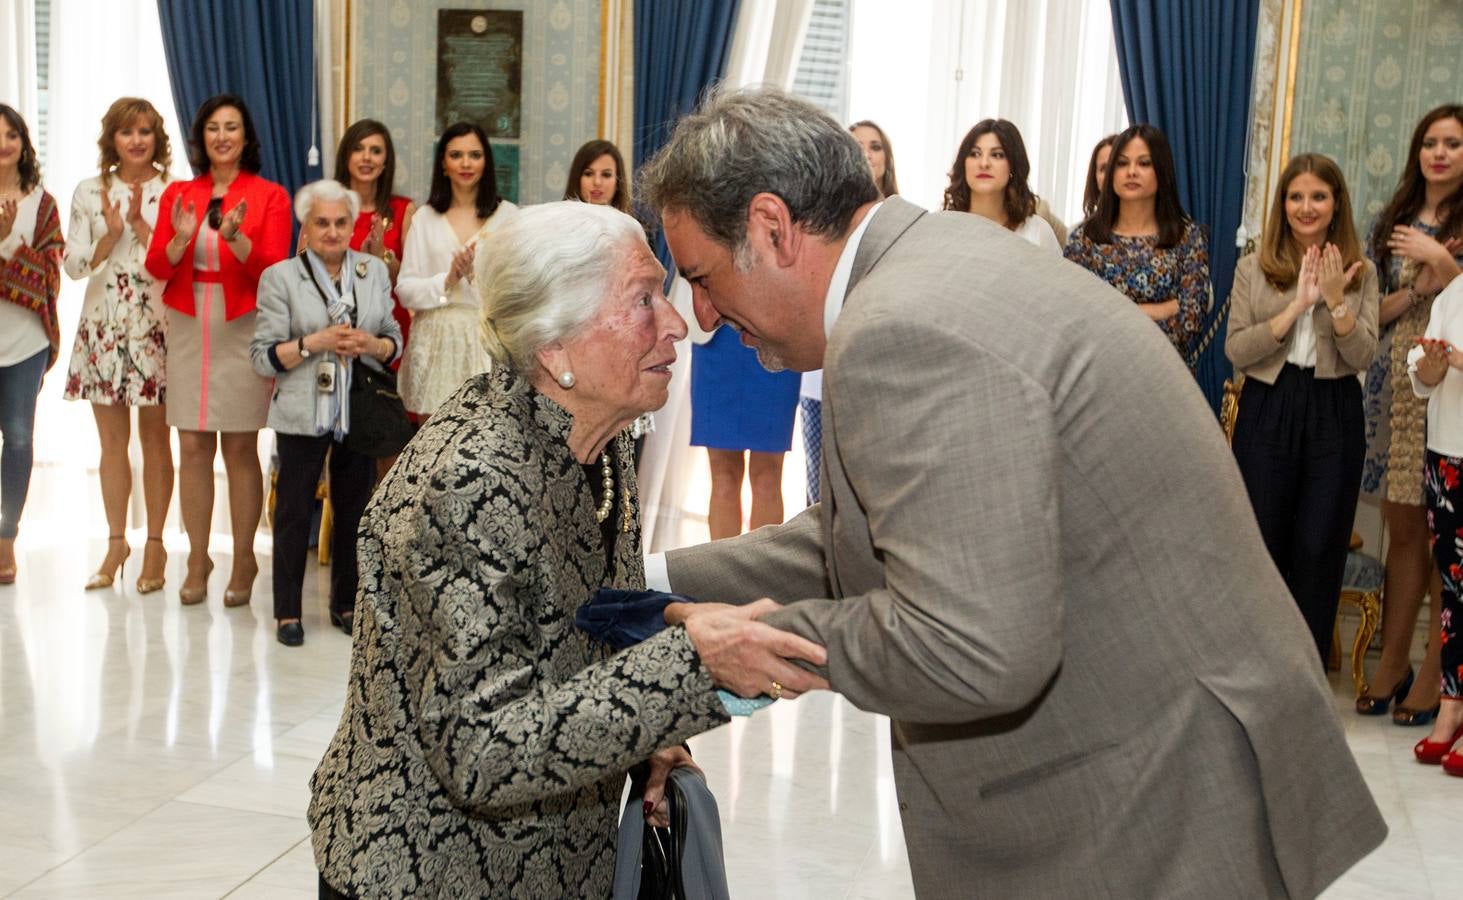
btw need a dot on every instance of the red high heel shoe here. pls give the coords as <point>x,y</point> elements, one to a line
<point>1453,764</point>
<point>1431,753</point>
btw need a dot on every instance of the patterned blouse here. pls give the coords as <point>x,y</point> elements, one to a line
<point>1150,274</point>
<point>484,742</point>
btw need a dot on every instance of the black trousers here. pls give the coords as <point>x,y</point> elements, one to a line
<point>351,478</point>
<point>1300,444</point>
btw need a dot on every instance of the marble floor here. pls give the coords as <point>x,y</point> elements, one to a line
<point>152,750</point>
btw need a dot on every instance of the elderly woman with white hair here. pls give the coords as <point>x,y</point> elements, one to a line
<point>318,312</point>
<point>485,741</point>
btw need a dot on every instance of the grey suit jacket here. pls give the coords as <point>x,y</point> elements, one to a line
<point>290,307</point>
<point>1035,554</point>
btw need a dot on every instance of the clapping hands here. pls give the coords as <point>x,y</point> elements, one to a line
<point>112,216</point>
<point>462,266</point>
<point>1324,276</point>
<point>185,221</point>
<point>375,242</point>
<point>8,211</point>
<point>1437,356</point>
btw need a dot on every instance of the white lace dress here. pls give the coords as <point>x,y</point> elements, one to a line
<point>445,348</point>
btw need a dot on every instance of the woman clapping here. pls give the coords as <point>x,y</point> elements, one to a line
<point>215,235</point>
<point>117,360</point>
<point>1302,324</point>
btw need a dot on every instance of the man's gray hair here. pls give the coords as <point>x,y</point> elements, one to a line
<point>544,274</point>
<point>740,143</point>
<point>326,190</point>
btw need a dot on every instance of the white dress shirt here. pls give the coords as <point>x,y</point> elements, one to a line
<point>1444,399</point>
<point>657,578</point>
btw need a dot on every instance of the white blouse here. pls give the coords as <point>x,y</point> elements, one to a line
<point>1444,399</point>
<point>422,282</point>
<point>22,334</point>
<point>1037,231</point>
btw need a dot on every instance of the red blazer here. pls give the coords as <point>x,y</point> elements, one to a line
<point>266,224</point>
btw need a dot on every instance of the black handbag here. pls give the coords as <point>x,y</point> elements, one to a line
<point>662,850</point>
<point>379,427</point>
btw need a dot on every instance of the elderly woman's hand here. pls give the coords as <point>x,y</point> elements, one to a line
<point>356,342</point>
<point>748,657</point>
<point>657,811</point>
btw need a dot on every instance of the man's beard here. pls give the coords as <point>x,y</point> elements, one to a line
<point>744,259</point>
<point>765,357</point>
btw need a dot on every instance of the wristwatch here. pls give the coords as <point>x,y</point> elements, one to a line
<point>304,351</point>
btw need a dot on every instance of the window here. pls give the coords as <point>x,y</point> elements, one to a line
<point>822,69</point>
<point>41,127</point>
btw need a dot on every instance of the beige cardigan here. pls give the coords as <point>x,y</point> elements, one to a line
<point>1254,301</point>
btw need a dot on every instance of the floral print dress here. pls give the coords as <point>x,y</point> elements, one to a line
<point>118,355</point>
<point>1147,273</point>
<point>1396,420</point>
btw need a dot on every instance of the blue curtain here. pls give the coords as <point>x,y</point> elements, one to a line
<point>1186,68</point>
<point>680,49</point>
<point>262,51</point>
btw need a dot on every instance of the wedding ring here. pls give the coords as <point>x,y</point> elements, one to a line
<point>776,691</point>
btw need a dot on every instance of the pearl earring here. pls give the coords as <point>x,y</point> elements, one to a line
<point>566,380</point>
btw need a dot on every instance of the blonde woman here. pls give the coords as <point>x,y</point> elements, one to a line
<point>117,359</point>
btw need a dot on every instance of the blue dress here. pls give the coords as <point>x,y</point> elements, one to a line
<point>735,403</point>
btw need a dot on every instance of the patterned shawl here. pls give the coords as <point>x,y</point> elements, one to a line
<point>32,277</point>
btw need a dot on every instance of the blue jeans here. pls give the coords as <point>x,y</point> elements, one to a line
<point>20,384</point>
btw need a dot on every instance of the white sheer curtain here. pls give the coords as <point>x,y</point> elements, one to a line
<point>1050,66</point>
<point>95,58</point>
<point>674,483</point>
<point>18,57</point>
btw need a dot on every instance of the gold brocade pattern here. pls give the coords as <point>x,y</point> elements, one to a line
<point>1409,412</point>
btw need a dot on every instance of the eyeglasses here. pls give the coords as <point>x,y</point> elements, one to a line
<point>216,213</point>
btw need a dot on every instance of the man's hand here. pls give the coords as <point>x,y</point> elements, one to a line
<point>748,657</point>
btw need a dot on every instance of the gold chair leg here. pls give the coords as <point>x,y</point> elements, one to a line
<point>1371,616</point>
<point>327,514</point>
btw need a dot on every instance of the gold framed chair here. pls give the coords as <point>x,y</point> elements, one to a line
<point>1362,583</point>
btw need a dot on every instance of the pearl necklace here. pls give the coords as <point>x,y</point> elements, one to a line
<point>607,505</point>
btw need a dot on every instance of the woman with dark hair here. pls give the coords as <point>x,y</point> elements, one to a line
<point>215,235</point>
<point>1416,246</point>
<point>117,358</point>
<point>30,279</point>
<point>1096,175</point>
<point>1302,324</point>
<point>597,175</point>
<point>988,178</point>
<point>879,153</point>
<point>436,279</point>
<point>1140,240</point>
<point>365,162</point>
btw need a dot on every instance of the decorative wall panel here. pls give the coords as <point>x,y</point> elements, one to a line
<point>1366,74</point>
<point>394,70</point>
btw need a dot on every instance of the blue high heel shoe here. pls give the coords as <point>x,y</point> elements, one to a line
<point>1367,705</point>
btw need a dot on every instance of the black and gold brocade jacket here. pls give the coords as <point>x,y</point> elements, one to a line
<point>484,741</point>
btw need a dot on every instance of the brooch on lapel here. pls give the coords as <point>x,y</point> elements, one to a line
<point>361,269</point>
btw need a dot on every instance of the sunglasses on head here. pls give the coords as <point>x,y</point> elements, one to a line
<point>216,213</point>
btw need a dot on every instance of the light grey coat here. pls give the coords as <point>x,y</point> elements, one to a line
<point>290,307</point>
<point>1035,554</point>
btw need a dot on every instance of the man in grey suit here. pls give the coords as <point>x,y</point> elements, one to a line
<point>1034,552</point>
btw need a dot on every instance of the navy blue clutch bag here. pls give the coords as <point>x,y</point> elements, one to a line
<point>625,618</point>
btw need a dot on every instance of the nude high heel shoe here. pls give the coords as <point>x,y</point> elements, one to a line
<point>191,596</point>
<point>147,585</point>
<point>107,579</point>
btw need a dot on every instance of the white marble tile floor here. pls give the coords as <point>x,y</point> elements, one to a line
<point>148,750</point>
